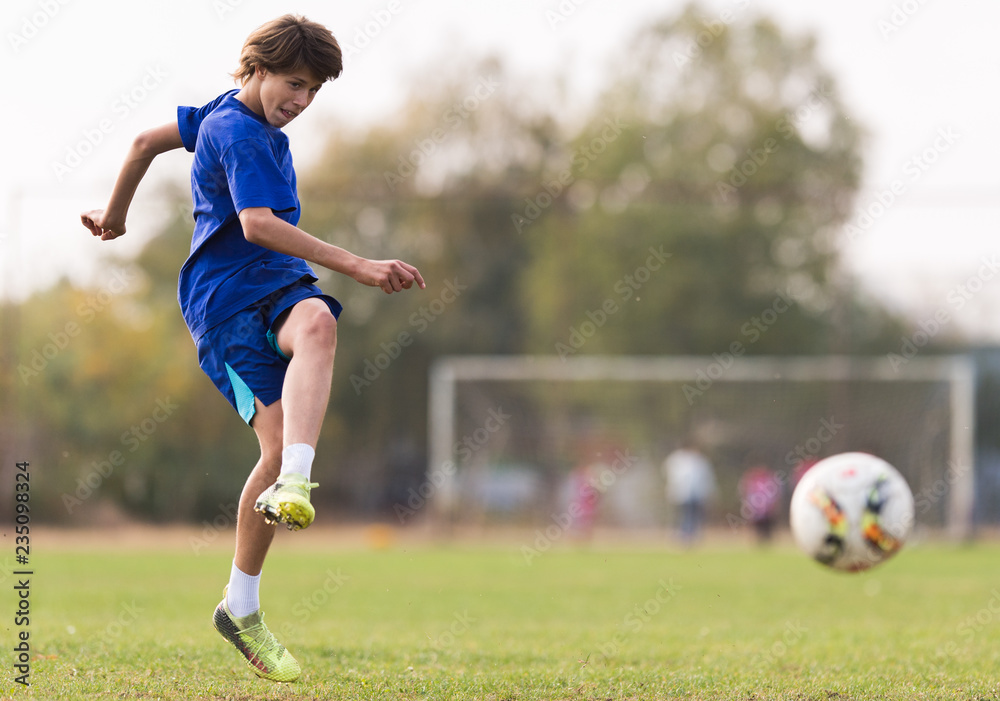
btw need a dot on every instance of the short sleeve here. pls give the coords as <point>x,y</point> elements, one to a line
<point>189,120</point>
<point>255,177</point>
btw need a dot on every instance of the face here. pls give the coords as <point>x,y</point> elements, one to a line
<point>283,96</point>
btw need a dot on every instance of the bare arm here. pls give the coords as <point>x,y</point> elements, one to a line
<point>262,227</point>
<point>109,223</point>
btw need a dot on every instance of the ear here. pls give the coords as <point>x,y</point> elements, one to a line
<point>260,72</point>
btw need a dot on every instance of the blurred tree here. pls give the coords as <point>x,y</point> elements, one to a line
<point>700,206</point>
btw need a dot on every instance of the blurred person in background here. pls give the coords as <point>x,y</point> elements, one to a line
<point>690,487</point>
<point>759,491</point>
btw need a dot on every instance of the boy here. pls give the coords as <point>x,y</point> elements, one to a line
<point>265,334</point>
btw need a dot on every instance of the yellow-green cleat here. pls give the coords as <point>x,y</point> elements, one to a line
<point>287,501</point>
<point>263,653</point>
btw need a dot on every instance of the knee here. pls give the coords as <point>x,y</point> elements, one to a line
<point>320,330</point>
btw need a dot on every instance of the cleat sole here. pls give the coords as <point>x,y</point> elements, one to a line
<point>295,516</point>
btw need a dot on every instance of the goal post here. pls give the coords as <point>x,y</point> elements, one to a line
<point>918,413</point>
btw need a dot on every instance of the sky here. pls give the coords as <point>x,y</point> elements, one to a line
<point>920,76</point>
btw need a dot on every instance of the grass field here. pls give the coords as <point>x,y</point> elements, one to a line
<point>482,622</point>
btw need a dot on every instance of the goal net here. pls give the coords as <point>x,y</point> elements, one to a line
<point>513,439</point>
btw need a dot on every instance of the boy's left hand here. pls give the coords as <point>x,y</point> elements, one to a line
<point>390,275</point>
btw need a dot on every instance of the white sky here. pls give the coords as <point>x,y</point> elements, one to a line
<point>69,63</point>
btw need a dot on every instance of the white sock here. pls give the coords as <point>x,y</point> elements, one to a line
<point>243,595</point>
<point>298,458</point>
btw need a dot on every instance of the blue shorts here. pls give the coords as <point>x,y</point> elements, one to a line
<point>241,355</point>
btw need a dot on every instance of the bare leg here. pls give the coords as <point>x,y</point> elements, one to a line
<point>309,336</point>
<point>253,535</point>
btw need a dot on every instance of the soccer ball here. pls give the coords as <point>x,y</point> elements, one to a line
<point>851,511</point>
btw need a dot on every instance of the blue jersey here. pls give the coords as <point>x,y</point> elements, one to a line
<point>240,161</point>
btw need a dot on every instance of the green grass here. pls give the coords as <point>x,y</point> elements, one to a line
<point>438,622</point>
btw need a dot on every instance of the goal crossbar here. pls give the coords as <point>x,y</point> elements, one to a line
<point>701,372</point>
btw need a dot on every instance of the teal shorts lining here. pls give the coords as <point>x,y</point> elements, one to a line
<point>272,339</point>
<point>244,395</point>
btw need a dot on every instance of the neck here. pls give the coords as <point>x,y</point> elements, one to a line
<point>250,96</point>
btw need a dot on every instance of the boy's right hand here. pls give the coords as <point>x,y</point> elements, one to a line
<point>99,224</point>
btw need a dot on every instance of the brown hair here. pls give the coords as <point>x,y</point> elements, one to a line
<point>287,43</point>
